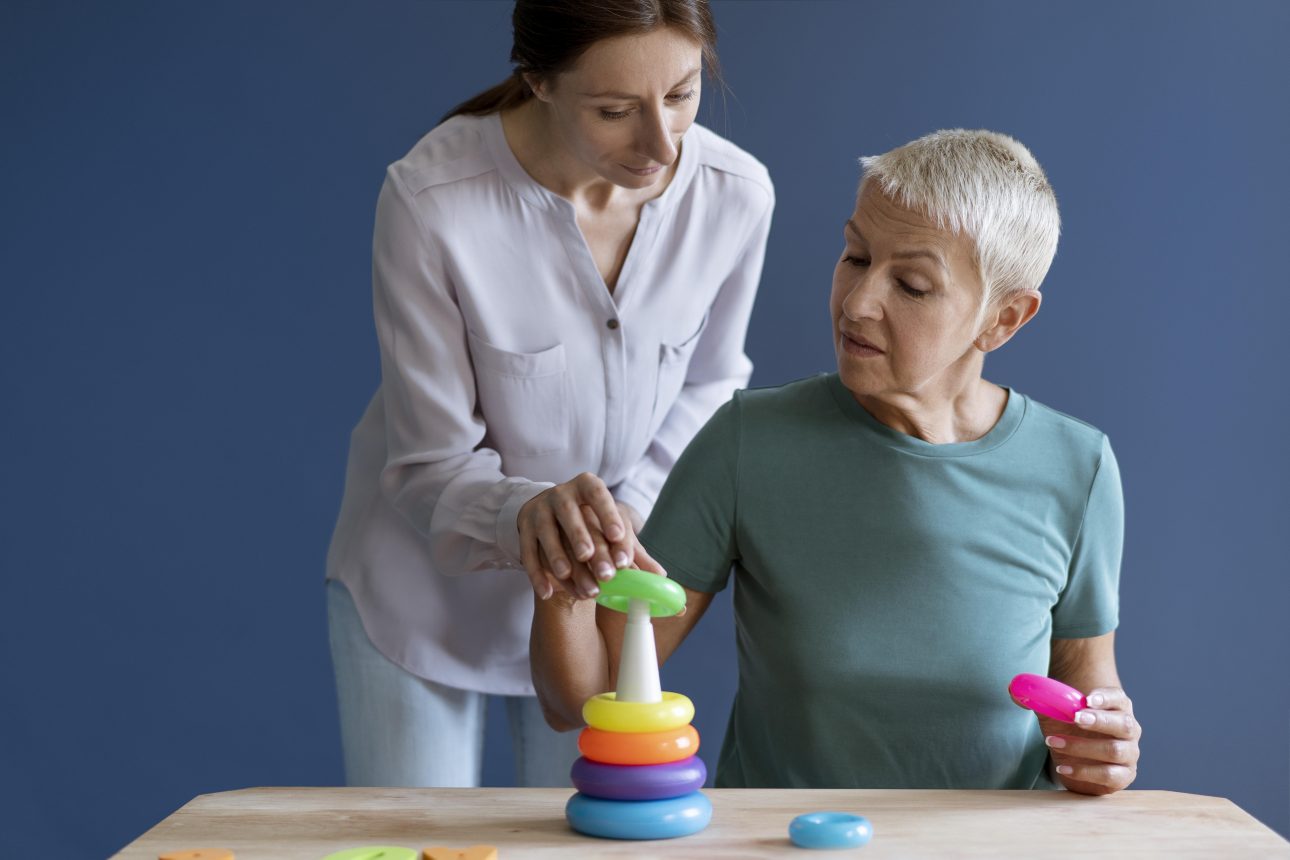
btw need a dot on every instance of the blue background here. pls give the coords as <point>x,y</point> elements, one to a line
<point>186,342</point>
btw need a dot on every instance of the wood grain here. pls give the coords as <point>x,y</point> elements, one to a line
<point>309,823</point>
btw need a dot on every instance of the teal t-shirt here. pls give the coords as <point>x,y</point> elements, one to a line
<point>887,589</point>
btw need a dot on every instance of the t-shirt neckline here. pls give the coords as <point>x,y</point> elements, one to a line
<point>1013,413</point>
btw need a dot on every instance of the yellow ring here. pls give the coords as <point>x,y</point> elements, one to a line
<point>606,713</point>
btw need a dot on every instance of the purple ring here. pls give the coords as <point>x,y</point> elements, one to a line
<point>638,781</point>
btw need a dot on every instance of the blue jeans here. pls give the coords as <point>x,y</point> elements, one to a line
<point>401,730</point>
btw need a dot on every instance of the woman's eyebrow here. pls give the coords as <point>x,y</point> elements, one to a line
<point>907,254</point>
<point>630,97</point>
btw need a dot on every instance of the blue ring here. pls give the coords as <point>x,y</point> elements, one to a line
<point>644,819</point>
<point>830,830</point>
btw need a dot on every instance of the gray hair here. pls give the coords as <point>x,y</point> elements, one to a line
<point>983,184</point>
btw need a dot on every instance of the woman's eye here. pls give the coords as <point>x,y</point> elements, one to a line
<point>856,261</point>
<point>682,97</point>
<point>918,294</point>
<point>614,114</point>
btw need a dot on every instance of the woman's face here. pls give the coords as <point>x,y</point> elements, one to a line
<point>623,107</point>
<point>904,303</point>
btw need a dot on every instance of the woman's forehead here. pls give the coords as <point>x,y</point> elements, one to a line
<point>626,65</point>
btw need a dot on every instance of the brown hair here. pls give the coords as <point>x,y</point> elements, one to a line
<point>550,36</point>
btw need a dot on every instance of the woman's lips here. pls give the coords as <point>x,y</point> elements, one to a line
<point>858,346</point>
<point>644,171</point>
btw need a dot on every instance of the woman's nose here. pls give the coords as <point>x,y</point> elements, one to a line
<point>862,301</point>
<point>656,138</point>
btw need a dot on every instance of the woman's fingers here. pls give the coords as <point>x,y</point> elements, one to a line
<point>1099,754</point>
<point>583,580</point>
<point>1101,750</point>
<point>1095,777</point>
<point>592,491</point>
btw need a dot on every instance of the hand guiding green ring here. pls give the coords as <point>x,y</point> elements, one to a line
<point>664,596</point>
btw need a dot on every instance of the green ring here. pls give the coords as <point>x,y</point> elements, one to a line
<point>664,596</point>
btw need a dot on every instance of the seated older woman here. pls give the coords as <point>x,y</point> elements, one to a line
<point>904,535</point>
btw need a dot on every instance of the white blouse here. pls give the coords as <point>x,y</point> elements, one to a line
<point>508,366</point>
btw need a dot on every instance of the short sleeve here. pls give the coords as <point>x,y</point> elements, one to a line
<point>691,530</point>
<point>1089,605</point>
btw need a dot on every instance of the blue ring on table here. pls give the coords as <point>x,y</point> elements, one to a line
<point>645,819</point>
<point>638,781</point>
<point>830,830</point>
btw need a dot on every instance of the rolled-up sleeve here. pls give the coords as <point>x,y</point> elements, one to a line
<point>718,368</point>
<point>436,473</point>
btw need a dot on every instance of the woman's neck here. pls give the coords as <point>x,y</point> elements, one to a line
<point>964,413</point>
<point>540,149</point>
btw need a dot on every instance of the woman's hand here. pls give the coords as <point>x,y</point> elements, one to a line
<point>575,534</point>
<point>1099,754</point>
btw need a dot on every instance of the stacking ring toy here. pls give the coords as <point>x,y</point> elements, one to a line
<point>606,713</point>
<point>664,596</point>
<point>375,852</point>
<point>634,782</point>
<point>830,830</point>
<point>647,748</point>
<point>1047,697</point>
<point>647,819</point>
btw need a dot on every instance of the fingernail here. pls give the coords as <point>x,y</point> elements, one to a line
<point>622,560</point>
<point>1055,742</point>
<point>1065,769</point>
<point>1095,700</point>
<point>562,568</point>
<point>604,571</point>
<point>584,550</point>
<point>593,591</point>
<point>615,532</point>
<point>1084,718</point>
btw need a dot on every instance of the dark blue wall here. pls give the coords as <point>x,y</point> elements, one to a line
<point>185,326</point>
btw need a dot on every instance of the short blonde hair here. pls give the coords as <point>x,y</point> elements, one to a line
<point>983,184</point>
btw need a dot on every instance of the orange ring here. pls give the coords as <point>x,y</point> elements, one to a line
<point>640,747</point>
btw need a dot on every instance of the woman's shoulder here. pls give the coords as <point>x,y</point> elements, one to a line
<point>726,158</point>
<point>455,150</point>
<point>1062,433</point>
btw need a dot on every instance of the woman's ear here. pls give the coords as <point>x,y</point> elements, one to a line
<point>1008,318</point>
<point>538,85</point>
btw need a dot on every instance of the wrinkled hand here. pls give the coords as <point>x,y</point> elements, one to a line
<point>575,534</point>
<point>1099,754</point>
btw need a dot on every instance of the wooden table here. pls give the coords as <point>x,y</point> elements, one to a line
<point>748,823</point>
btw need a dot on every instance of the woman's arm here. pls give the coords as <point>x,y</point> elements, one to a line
<point>437,473</point>
<point>1098,755</point>
<point>574,648</point>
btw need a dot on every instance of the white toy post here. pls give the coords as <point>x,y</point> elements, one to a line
<point>638,664</point>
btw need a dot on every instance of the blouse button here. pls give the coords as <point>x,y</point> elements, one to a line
<point>613,324</point>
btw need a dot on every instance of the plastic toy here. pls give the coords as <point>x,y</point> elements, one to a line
<point>1047,697</point>
<point>474,852</point>
<point>638,748</point>
<point>606,713</point>
<point>638,777</point>
<point>376,852</point>
<point>633,782</point>
<point>830,830</point>
<point>646,819</point>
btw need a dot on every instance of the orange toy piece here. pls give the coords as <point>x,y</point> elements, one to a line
<point>638,748</point>
<point>199,854</point>
<point>474,852</point>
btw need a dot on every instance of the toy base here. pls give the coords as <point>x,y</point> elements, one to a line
<point>646,819</point>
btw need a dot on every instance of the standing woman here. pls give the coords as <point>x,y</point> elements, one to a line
<point>563,272</point>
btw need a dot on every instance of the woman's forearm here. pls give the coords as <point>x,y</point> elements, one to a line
<point>569,660</point>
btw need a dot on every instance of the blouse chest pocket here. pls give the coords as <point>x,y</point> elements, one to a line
<point>524,398</point>
<point>673,365</point>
